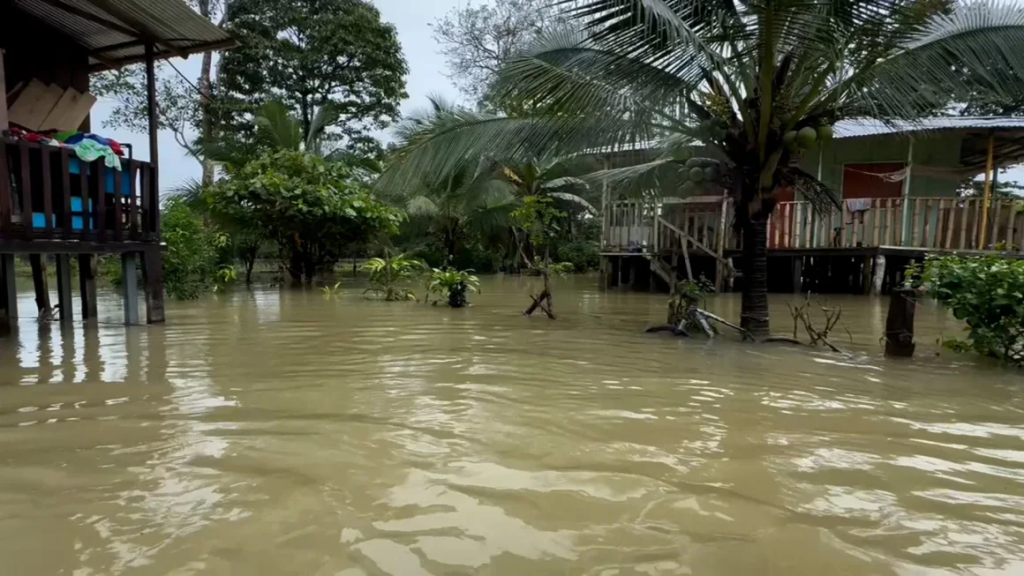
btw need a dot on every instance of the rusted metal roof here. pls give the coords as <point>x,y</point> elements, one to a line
<point>856,128</point>
<point>115,32</point>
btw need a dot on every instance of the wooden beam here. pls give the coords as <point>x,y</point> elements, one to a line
<point>907,229</point>
<point>988,191</point>
<point>3,95</point>
<point>154,132</point>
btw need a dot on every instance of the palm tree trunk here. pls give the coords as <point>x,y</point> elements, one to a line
<point>754,309</point>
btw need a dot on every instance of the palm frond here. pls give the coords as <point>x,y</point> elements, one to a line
<point>979,47</point>
<point>578,200</point>
<point>276,126</point>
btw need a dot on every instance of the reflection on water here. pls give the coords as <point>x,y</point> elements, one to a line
<point>269,432</point>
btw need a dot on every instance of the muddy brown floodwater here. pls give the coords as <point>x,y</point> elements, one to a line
<point>281,432</point>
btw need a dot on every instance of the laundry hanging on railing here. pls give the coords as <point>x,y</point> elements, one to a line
<point>88,147</point>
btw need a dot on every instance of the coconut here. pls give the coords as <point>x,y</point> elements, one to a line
<point>806,137</point>
<point>688,187</point>
<point>789,137</point>
<point>696,174</point>
<point>824,132</point>
<point>693,163</point>
<point>711,174</point>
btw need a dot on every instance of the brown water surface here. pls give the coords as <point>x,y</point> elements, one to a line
<point>282,432</point>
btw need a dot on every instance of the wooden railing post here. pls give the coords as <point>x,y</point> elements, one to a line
<point>6,206</point>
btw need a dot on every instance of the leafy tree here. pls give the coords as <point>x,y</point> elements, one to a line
<point>974,188</point>
<point>310,207</point>
<point>988,295</point>
<point>476,41</point>
<point>311,55</point>
<point>759,83</point>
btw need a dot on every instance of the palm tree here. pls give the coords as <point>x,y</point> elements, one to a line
<point>545,179</point>
<point>756,81</point>
<point>465,203</point>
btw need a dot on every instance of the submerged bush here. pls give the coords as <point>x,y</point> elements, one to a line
<point>584,256</point>
<point>987,293</point>
<point>190,264</point>
<point>454,284</point>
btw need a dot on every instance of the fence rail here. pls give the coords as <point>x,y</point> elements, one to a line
<point>48,193</point>
<point>935,223</point>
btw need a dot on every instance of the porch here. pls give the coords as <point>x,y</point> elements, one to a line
<point>802,236</point>
<point>56,202</point>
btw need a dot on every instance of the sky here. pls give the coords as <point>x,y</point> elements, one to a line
<point>427,70</point>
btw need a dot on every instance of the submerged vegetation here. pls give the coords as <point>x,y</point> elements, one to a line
<point>987,294</point>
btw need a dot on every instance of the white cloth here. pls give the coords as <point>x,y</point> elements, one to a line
<point>859,204</point>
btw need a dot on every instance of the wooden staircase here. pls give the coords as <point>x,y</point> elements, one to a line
<point>670,241</point>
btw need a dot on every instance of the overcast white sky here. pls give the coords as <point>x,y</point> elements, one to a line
<point>426,76</point>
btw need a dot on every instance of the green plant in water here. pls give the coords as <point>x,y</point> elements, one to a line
<point>388,276</point>
<point>331,291</point>
<point>225,275</point>
<point>987,293</point>
<point>454,284</point>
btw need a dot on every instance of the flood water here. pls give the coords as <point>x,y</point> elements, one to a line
<point>282,432</point>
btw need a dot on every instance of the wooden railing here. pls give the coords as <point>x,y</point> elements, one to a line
<point>628,226</point>
<point>46,192</point>
<point>934,223</point>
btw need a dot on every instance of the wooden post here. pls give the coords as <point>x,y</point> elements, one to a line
<point>64,288</point>
<point>3,95</point>
<point>988,190</point>
<point>10,288</point>
<point>907,227</point>
<point>153,281</point>
<point>87,284</point>
<point>130,288</point>
<point>899,324</point>
<point>39,282</point>
<point>798,274</point>
<point>154,129</point>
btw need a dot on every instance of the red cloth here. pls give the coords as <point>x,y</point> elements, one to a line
<point>115,146</point>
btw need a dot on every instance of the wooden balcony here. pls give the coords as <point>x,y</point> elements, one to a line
<point>924,224</point>
<point>52,202</point>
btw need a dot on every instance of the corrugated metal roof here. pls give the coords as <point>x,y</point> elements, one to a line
<point>869,127</point>
<point>115,31</point>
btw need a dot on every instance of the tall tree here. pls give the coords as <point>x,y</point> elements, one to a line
<point>309,55</point>
<point>759,82</point>
<point>476,41</point>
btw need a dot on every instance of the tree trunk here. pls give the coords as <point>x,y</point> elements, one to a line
<point>754,309</point>
<point>205,99</point>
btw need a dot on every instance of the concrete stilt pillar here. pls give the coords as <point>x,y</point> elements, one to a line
<point>10,288</point>
<point>153,280</point>
<point>64,288</point>
<point>878,279</point>
<point>130,287</point>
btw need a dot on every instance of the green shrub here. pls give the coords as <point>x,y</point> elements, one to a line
<point>454,284</point>
<point>584,256</point>
<point>190,263</point>
<point>987,293</point>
